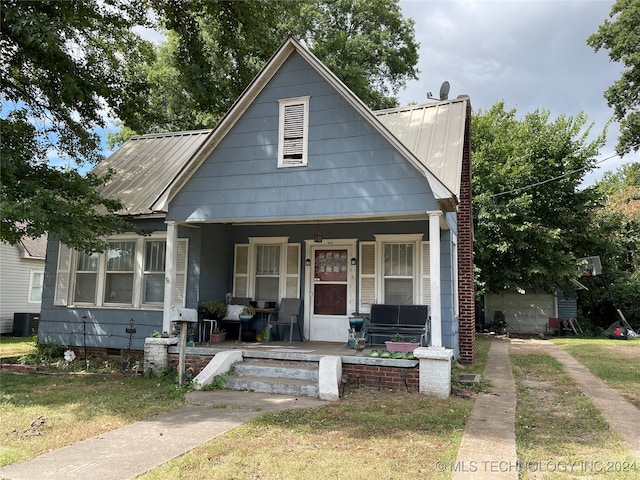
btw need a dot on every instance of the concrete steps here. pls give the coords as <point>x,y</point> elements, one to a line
<point>298,378</point>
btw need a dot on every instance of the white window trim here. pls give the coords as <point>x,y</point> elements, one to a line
<point>137,302</point>
<point>32,274</point>
<point>251,268</point>
<point>287,163</point>
<point>416,239</point>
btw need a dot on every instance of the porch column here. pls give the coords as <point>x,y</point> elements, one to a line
<point>434,275</point>
<point>169,274</point>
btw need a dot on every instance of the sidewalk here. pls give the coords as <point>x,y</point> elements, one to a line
<point>488,446</point>
<point>620,414</point>
<point>141,446</point>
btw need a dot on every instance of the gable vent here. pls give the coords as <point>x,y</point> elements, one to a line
<point>294,118</point>
<point>293,132</point>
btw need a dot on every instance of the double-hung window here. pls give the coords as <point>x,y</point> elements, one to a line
<point>35,286</point>
<point>86,277</point>
<point>120,271</point>
<point>129,273</point>
<point>153,274</point>
<point>267,269</point>
<point>398,273</point>
<point>394,270</point>
<point>293,136</point>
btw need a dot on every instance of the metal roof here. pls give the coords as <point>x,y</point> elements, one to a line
<point>434,133</point>
<point>145,165</point>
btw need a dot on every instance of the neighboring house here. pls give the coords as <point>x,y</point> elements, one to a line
<point>529,312</point>
<point>300,191</point>
<point>21,278</point>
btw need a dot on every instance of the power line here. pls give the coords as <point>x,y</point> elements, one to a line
<point>549,180</point>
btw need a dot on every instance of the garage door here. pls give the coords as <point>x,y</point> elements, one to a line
<point>527,313</point>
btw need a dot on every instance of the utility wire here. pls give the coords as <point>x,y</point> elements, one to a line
<point>549,180</point>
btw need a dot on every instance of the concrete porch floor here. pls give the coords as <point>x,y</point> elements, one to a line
<point>309,347</point>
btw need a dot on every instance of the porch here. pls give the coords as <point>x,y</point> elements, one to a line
<point>357,368</point>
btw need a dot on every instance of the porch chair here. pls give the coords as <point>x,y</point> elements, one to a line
<point>287,315</point>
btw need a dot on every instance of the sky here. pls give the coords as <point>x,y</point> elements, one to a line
<point>532,54</point>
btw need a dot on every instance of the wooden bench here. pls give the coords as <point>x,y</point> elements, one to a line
<point>411,321</point>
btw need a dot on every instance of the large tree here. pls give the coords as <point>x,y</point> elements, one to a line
<point>215,48</point>
<point>532,217</point>
<point>617,225</point>
<point>65,65</point>
<point>621,37</point>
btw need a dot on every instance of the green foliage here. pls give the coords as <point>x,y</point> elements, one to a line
<point>621,38</point>
<point>218,382</point>
<point>47,352</point>
<point>617,227</point>
<point>215,48</point>
<point>64,63</point>
<point>532,218</point>
<point>366,43</point>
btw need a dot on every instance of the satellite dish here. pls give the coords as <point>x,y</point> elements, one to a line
<point>444,90</point>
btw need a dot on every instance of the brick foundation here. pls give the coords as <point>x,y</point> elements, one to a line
<point>383,377</point>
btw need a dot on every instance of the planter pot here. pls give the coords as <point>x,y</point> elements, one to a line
<point>217,337</point>
<point>402,347</point>
<point>245,318</point>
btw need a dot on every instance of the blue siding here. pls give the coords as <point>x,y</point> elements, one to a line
<point>105,327</point>
<point>351,170</point>
<point>567,304</point>
<point>449,320</point>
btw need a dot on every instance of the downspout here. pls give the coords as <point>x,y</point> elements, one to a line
<point>434,275</point>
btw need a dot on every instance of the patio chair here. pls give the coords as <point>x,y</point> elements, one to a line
<point>287,315</point>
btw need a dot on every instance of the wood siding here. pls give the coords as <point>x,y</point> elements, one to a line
<point>351,171</point>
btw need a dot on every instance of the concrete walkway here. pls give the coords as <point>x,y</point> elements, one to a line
<point>620,414</point>
<point>488,446</point>
<point>142,446</point>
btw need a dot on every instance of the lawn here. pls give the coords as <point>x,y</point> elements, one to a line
<point>617,362</point>
<point>559,432</point>
<point>366,432</point>
<point>13,347</point>
<point>39,412</point>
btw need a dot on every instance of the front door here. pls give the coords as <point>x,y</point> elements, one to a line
<point>331,291</point>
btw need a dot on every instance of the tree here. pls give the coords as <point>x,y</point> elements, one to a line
<point>617,224</point>
<point>215,48</point>
<point>63,65</point>
<point>621,38</point>
<point>532,217</point>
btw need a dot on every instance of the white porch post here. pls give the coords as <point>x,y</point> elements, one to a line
<point>434,257</point>
<point>169,274</point>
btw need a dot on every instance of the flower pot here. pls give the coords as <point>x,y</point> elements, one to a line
<point>402,347</point>
<point>245,318</point>
<point>217,337</point>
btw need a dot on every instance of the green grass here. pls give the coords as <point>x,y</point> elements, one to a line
<point>555,422</point>
<point>617,362</point>
<point>75,407</point>
<point>369,434</point>
<point>11,348</point>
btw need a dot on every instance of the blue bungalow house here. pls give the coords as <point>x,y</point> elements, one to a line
<point>300,191</point>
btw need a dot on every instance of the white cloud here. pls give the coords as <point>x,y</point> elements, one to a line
<point>531,54</point>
